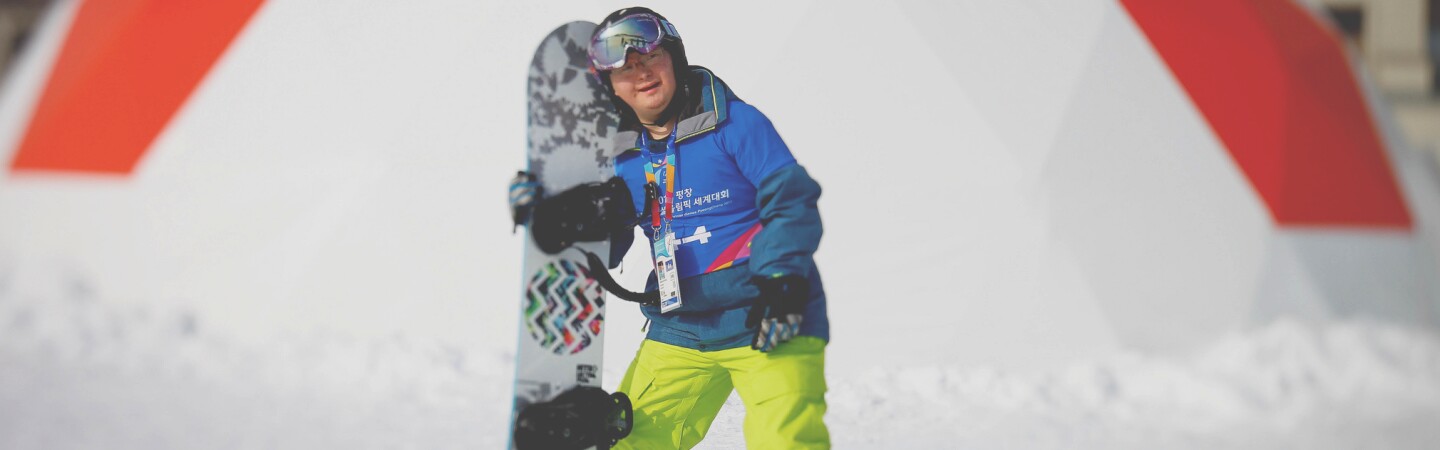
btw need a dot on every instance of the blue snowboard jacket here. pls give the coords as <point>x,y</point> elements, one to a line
<point>742,207</point>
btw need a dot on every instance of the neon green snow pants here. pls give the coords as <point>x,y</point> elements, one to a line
<point>677,392</point>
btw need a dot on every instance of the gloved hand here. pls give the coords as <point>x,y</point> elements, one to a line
<point>778,310</point>
<point>524,194</point>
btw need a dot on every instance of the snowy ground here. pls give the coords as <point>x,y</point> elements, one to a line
<point>77,373</point>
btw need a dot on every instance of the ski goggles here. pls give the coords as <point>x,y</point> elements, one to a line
<point>640,32</point>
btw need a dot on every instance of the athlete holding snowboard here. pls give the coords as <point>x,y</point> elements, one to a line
<point>736,302</point>
<point>735,224</point>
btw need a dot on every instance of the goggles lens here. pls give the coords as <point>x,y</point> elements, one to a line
<point>641,33</point>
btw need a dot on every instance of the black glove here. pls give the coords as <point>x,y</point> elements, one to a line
<point>778,310</point>
<point>524,194</point>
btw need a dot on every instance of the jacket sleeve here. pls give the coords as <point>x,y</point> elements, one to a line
<point>753,143</point>
<point>787,203</point>
<point>785,195</point>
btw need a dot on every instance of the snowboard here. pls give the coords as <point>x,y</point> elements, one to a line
<point>562,306</point>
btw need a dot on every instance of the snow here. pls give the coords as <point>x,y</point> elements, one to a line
<point>80,373</point>
<point>1335,385</point>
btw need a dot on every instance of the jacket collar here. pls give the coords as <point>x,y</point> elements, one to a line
<point>704,112</point>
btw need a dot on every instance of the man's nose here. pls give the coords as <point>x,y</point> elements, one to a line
<point>643,70</point>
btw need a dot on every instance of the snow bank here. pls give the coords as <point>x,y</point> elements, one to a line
<point>79,373</point>
<point>1289,384</point>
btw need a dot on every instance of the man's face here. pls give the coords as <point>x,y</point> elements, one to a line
<point>646,83</point>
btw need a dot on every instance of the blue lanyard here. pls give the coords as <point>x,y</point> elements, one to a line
<point>665,177</point>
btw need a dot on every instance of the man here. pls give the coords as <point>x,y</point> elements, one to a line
<point>734,226</point>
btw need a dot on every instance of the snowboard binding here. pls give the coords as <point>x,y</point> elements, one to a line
<point>590,212</point>
<point>579,418</point>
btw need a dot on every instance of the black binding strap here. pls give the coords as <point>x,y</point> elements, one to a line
<point>601,274</point>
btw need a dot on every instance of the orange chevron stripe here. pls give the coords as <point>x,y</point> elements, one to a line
<point>124,70</point>
<point>1276,87</point>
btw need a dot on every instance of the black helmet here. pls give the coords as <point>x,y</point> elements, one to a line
<point>669,39</point>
